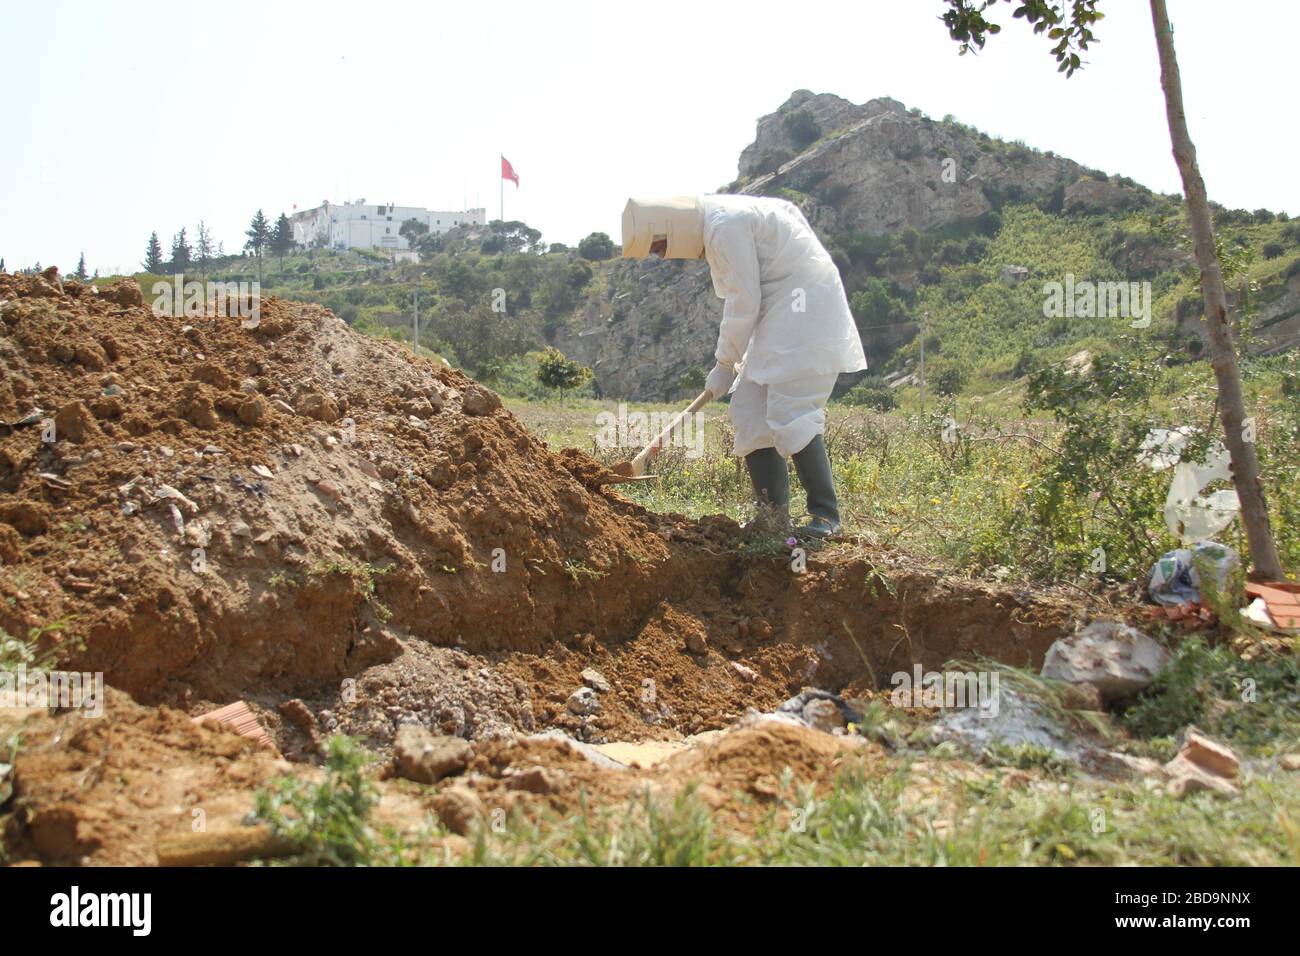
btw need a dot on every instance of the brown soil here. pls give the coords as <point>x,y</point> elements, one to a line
<point>415,556</point>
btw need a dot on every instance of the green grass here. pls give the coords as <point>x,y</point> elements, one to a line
<point>363,575</point>
<point>949,814</point>
<point>868,821</point>
<point>1253,705</point>
<point>983,501</point>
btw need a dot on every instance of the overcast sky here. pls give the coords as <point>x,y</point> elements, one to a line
<point>121,118</point>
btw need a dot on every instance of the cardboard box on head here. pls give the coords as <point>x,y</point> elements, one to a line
<point>679,219</point>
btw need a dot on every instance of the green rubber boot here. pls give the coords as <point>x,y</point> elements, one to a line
<point>813,466</point>
<point>770,476</point>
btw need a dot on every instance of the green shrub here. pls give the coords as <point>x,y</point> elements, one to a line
<point>597,246</point>
<point>1252,704</point>
<point>950,380</point>
<point>879,397</point>
<point>329,822</point>
<point>802,128</point>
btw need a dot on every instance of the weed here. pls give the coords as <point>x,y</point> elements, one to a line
<point>329,822</point>
<point>578,570</point>
<point>1250,704</point>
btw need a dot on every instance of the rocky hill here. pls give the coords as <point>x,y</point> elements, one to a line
<point>877,168</point>
<point>900,197</point>
<point>874,168</point>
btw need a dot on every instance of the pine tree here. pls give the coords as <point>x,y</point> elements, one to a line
<point>81,269</point>
<point>282,239</point>
<point>203,247</point>
<point>182,253</point>
<point>153,257</point>
<point>259,234</point>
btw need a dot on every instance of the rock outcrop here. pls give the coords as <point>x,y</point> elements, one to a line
<point>652,323</point>
<point>881,168</point>
<point>873,168</point>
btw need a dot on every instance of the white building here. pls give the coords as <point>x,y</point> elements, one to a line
<point>355,225</point>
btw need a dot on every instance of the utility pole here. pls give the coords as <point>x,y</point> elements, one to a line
<point>925,324</point>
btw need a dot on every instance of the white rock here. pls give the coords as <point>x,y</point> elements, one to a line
<point>583,702</point>
<point>1116,659</point>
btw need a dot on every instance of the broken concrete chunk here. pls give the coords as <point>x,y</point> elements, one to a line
<point>1209,755</point>
<point>168,493</point>
<point>1202,764</point>
<point>745,673</point>
<point>480,401</point>
<point>595,680</point>
<point>1187,778</point>
<point>583,702</point>
<point>420,756</point>
<point>1116,659</point>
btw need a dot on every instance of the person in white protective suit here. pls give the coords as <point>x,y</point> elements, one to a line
<point>786,334</point>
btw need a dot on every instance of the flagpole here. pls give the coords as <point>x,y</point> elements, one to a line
<point>503,188</point>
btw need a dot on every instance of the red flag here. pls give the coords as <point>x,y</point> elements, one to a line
<point>508,172</point>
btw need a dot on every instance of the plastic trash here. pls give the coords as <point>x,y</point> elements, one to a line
<point>1190,515</point>
<point>1197,517</point>
<point>1163,447</point>
<point>1257,613</point>
<point>1176,577</point>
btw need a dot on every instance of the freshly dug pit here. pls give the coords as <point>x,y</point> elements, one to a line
<point>149,529</point>
<point>350,538</point>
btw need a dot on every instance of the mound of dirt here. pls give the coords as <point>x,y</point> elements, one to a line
<point>106,789</point>
<point>350,538</point>
<point>217,510</point>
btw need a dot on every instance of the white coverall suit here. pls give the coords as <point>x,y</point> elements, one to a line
<point>786,333</point>
<point>786,324</point>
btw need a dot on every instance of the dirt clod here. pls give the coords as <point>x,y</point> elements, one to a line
<point>420,756</point>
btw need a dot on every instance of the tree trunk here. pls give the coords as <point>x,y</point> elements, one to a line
<point>1223,355</point>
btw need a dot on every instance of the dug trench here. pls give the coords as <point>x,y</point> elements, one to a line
<point>351,539</point>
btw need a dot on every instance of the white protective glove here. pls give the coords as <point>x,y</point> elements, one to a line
<point>720,380</point>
